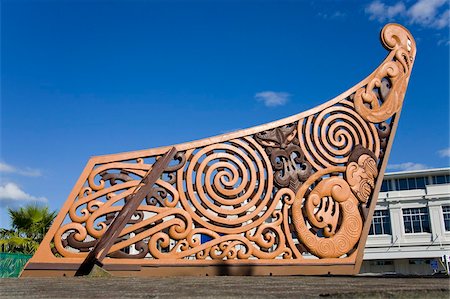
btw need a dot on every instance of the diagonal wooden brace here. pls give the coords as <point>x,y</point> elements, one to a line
<point>104,244</point>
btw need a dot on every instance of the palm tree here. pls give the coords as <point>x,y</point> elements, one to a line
<point>29,225</point>
<point>11,241</point>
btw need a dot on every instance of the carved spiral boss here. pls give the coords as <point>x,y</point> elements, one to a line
<point>292,190</point>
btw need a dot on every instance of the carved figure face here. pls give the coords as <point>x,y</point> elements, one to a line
<point>287,159</point>
<point>361,176</point>
<point>277,138</point>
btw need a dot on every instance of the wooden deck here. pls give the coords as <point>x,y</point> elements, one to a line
<point>226,287</point>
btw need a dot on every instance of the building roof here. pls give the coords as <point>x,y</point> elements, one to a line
<point>420,172</point>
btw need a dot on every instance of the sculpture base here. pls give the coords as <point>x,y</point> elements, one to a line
<point>218,269</point>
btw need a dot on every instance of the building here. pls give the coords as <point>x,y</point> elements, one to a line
<point>410,231</point>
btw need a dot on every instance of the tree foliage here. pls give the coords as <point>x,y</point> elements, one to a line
<point>29,225</point>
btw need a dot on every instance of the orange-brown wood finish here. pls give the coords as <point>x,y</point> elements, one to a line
<point>294,196</point>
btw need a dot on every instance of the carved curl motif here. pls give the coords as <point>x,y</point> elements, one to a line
<point>332,200</point>
<point>384,93</point>
<point>99,202</point>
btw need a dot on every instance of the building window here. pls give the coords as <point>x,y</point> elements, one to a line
<point>419,262</point>
<point>446,212</point>
<point>401,184</point>
<point>410,183</point>
<point>381,263</point>
<point>381,223</point>
<point>421,182</point>
<point>416,220</point>
<point>441,179</point>
<point>386,186</point>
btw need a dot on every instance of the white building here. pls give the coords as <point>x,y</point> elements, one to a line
<point>410,232</point>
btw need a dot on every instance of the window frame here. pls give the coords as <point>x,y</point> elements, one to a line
<point>446,213</point>
<point>417,218</point>
<point>382,219</point>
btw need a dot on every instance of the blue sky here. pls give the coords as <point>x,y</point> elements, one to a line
<point>86,78</point>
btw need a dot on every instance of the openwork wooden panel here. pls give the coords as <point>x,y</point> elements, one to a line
<point>290,197</point>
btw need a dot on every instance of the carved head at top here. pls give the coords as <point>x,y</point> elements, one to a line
<point>361,172</point>
<point>396,36</point>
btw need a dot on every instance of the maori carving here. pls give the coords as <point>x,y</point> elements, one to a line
<point>361,173</point>
<point>383,100</point>
<point>116,182</point>
<point>290,195</point>
<point>228,186</point>
<point>327,138</point>
<point>286,157</point>
<point>333,198</point>
<point>384,131</point>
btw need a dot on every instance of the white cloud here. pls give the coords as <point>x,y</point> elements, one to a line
<point>407,166</point>
<point>11,193</point>
<point>272,98</point>
<point>443,20</point>
<point>443,41</point>
<point>6,168</point>
<point>444,153</point>
<point>335,15</point>
<point>382,12</point>
<point>426,13</point>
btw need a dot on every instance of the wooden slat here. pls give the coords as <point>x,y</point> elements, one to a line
<point>104,244</point>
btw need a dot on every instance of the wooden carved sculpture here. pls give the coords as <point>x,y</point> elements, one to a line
<point>295,196</point>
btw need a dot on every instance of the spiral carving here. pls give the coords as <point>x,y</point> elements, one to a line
<point>228,185</point>
<point>328,138</point>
